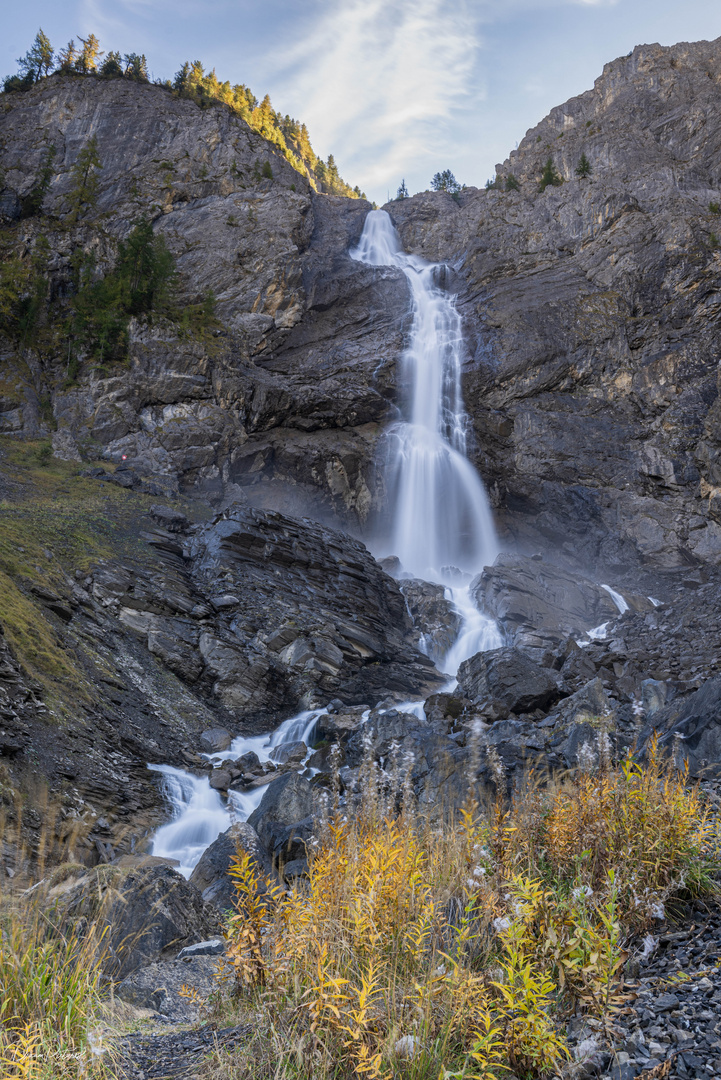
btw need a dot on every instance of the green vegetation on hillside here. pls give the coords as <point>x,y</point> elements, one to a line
<point>56,523</point>
<point>192,82</point>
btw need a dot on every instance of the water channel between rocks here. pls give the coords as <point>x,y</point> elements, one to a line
<point>440,528</point>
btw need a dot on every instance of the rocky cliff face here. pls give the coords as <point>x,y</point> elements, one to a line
<point>592,311</point>
<point>289,393</point>
<point>592,319</point>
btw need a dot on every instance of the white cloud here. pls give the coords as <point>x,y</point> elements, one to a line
<point>378,81</point>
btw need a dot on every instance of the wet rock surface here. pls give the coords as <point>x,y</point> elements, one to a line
<point>507,678</point>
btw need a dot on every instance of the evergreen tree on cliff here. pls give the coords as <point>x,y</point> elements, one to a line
<point>549,176</point>
<point>38,60</point>
<point>445,181</point>
<point>584,167</point>
<point>90,53</point>
<point>84,193</point>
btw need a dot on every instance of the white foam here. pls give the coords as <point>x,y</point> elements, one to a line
<point>617,599</point>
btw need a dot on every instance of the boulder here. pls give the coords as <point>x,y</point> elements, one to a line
<point>211,875</point>
<point>149,912</point>
<point>508,676</point>
<point>580,719</point>
<point>289,753</point>
<point>215,740</point>
<point>159,986</point>
<point>286,801</point>
<point>689,729</point>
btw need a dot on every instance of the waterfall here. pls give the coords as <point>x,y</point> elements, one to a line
<point>199,813</point>
<point>440,515</point>
<point>441,519</point>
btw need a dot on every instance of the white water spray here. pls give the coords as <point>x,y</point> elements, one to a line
<point>199,813</point>
<point>441,517</point>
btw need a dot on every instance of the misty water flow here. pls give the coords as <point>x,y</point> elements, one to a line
<point>199,813</point>
<point>440,516</point>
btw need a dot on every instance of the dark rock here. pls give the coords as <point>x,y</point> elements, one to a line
<point>170,519</point>
<point>689,729</point>
<point>289,753</point>
<point>215,740</point>
<point>220,779</point>
<point>211,877</point>
<point>539,605</point>
<point>434,617</point>
<point>507,676</point>
<point>444,710</point>
<point>580,719</point>
<point>341,723</point>
<point>288,800</point>
<point>158,986</point>
<point>151,912</point>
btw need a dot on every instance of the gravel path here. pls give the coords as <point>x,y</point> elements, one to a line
<point>174,1055</point>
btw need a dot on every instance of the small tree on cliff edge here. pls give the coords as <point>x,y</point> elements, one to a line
<point>550,176</point>
<point>445,181</point>
<point>402,192</point>
<point>38,60</point>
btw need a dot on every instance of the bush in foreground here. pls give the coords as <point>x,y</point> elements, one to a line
<point>425,949</point>
<point>50,965</point>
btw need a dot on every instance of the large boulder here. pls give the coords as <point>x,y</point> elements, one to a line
<point>211,875</point>
<point>582,719</point>
<point>147,912</point>
<point>160,985</point>
<point>508,676</point>
<point>539,605</point>
<point>689,729</point>
<point>286,812</point>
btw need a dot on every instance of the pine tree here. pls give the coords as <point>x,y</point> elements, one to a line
<point>112,65</point>
<point>87,62</point>
<point>445,181</point>
<point>38,60</point>
<point>136,67</point>
<point>584,167</point>
<point>84,193</point>
<point>511,183</point>
<point>68,56</point>
<point>402,192</point>
<point>181,82</point>
<point>33,201</point>
<point>549,177</point>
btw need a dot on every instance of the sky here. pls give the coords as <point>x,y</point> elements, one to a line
<point>394,89</point>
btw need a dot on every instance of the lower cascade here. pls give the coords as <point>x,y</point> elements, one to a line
<point>199,813</point>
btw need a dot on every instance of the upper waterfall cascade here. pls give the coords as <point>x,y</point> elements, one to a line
<point>440,515</point>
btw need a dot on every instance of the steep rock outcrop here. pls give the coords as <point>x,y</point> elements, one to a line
<point>592,316</point>
<point>289,410</point>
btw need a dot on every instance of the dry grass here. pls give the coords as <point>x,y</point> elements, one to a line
<point>458,949</point>
<point>50,967</point>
